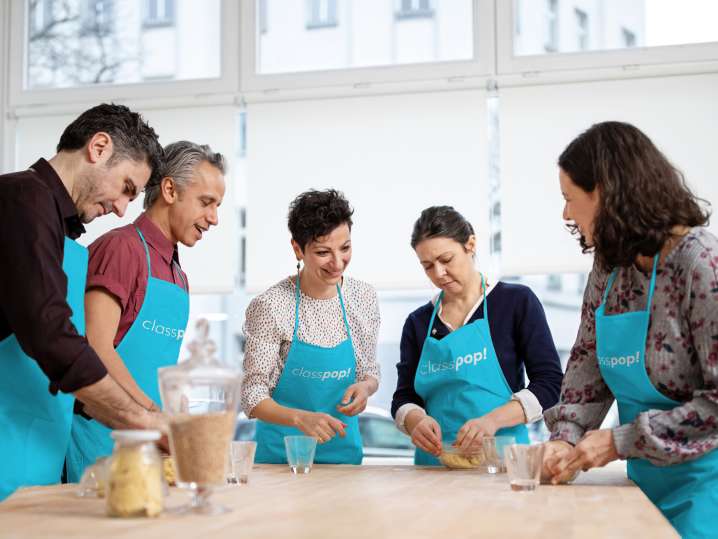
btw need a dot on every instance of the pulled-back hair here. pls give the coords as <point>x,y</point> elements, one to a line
<point>441,222</point>
<point>642,196</point>
<point>131,137</point>
<point>314,214</point>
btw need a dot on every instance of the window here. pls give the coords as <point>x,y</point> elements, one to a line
<point>551,44</point>
<point>553,282</point>
<point>582,33</point>
<point>159,12</point>
<point>629,38</point>
<point>88,42</point>
<point>410,9</point>
<point>517,17</point>
<point>372,36</point>
<point>262,15</point>
<point>321,13</point>
<point>41,16</point>
<point>97,19</point>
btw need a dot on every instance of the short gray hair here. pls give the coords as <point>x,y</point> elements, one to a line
<point>180,160</point>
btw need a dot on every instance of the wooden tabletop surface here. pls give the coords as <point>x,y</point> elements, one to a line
<point>371,502</point>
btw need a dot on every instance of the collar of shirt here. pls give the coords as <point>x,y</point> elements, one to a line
<point>157,240</point>
<point>490,284</point>
<point>73,226</point>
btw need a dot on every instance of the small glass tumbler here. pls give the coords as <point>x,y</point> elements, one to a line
<point>300,453</point>
<point>523,464</point>
<point>494,452</point>
<point>242,458</point>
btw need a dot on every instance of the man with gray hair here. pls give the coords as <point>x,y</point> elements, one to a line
<point>136,300</point>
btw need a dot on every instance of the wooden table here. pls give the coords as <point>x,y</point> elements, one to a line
<point>371,502</point>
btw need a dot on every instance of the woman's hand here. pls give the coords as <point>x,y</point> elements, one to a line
<point>594,450</point>
<point>474,430</point>
<point>425,433</point>
<point>319,425</point>
<point>355,398</point>
<point>554,451</point>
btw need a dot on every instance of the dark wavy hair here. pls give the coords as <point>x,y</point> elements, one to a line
<point>314,214</point>
<point>441,222</point>
<point>642,195</point>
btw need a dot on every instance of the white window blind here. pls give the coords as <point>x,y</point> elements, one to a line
<point>392,156</point>
<point>680,115</point>
<point>212,263</point>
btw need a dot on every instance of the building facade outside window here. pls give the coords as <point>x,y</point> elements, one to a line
<point>321,14</point>
<point>409,9</point>
<point>98,18</point>
<point>582,29</point>
<point>629,38</point>
<point>159,13</point>
<point>551,44</point>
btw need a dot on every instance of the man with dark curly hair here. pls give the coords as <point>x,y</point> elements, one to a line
<point>104,159</point>
<point>310,362</point>
<point>649,328</point>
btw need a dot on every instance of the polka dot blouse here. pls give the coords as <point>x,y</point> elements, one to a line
<point>269,327</point>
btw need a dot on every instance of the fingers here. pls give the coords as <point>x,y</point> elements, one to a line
<point>336,426</point>
<point>424,442</point>
<point>349,394</point>
<point>357,406</point>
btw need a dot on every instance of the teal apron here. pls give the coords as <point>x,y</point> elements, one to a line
<point>35,424</point>
<point>686,493</point>
<point>314,379</point>
<point>153,341</point>
<point>459,378</point>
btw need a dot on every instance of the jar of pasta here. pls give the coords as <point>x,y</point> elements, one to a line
<point>134,477</point>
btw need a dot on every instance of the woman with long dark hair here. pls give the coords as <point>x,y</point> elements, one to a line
<point>649,327</point>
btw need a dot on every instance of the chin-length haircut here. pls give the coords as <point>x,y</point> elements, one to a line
<point>641,194</point>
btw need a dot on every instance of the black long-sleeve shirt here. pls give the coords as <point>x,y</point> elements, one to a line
<point>36,213</point>
<point>521,337</point>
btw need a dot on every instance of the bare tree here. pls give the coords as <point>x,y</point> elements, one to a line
<point>71,47</point>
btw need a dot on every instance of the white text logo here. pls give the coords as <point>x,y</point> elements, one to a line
<point>153,327</point>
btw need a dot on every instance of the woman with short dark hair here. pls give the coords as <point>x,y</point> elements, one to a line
<point>310,361</point>
<point>649,327</point>
<point>461,372</point>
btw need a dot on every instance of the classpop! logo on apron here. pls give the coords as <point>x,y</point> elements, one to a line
<point>322,376</point>
<point>433,367</point>
<point>153,327</point>
<point>619,361</point>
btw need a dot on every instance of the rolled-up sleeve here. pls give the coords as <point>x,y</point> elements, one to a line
<point>33,291</point>
<point>585,397</point>
<point>262,352</point>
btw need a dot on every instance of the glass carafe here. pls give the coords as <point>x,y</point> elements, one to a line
<point>200,397</point>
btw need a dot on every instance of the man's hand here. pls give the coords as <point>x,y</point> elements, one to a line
<point>426,435</point>
<point>473,431</point>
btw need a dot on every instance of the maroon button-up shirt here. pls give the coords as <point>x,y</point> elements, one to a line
<point>118,265</point>
<point>36,213</point>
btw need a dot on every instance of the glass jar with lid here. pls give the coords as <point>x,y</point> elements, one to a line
<point>134,475</point>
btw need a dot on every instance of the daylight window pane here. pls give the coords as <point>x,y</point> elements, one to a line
<point>312,35</point>
<point>75,43</point>
<point>559,26</point>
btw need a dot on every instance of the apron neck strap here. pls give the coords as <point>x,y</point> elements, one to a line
<point>149,266</point>
<point>651,286</point>
<point>297,296</point>
<point>441,295</point>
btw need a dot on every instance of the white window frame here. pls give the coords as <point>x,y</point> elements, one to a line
<point>362,80</point>
<point>19,97</point>
<point>159,21</point>
<point>590,65</point>
<point>5,146</point>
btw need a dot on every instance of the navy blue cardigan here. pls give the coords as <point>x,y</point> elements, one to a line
<point>521,336</point>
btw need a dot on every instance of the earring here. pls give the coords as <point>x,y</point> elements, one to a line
<point>297,265</point>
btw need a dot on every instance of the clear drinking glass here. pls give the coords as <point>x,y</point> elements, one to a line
<point>523,464</point>
<point>494,452</point>
<point>300,453</point>
<point>242,459</point>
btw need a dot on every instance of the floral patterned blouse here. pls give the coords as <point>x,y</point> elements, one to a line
<point>681,357</point>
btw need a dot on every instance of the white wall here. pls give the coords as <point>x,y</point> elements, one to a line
<point>391,155</point>
<point>679,114</point>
